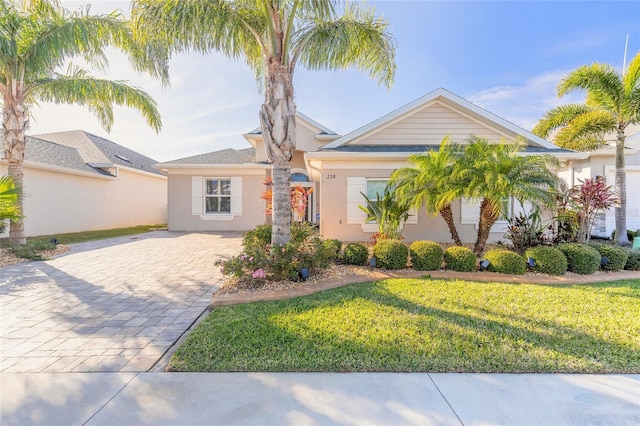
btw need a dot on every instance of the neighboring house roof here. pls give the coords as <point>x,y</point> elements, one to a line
<point>44,152</point>
<point>448,98</point>
<point>83,151</point>
<point>225,156</point>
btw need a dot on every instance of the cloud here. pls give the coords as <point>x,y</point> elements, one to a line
<point>525,104</point>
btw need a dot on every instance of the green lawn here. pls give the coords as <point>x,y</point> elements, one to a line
<point>427,325</point>
<point>81,237</point>
<point>35,246</point>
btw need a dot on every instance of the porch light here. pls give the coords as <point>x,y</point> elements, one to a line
<point>484,264</point>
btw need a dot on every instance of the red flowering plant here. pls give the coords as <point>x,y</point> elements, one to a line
<point>587,200</point>
<point>299,199</point>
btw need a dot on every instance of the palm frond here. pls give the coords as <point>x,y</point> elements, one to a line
<point>586,131</point>
<point>357,39</point>
<point>600,79</point>
<point>98,95</point>
<point>559,117</point>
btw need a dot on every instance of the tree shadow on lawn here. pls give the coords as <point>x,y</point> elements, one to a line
<point>368,327</point>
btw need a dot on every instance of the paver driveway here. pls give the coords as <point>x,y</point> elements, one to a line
<point>109,305</point>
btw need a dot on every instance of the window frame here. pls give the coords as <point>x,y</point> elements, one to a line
<point>219,196</point>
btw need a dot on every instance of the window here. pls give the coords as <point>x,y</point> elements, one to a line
<point>299,177</point>
<point>218,196</point>
<point>376,187</point>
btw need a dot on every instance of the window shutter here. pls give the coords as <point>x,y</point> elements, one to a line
<point>236,196</point>
<point>413,217</point>
<point>197,195</point>
<point>469,211</point>
<point>356,185</point>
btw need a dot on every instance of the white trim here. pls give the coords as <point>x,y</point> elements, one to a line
<point>246,168</point>
<point>217,217</point>
<point>445,94</point>
<point>350,156</point>
<point>58,169</point>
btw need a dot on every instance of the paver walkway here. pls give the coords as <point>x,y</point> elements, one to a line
<point>109,305</point>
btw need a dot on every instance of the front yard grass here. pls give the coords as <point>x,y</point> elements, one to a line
<point>419,325</point>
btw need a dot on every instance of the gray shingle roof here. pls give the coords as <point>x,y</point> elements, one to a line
<point>45,152</point>
<point>226,156</point>
<point>78,149</point>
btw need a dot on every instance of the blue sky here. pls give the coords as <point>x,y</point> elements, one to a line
<point>505,56</point>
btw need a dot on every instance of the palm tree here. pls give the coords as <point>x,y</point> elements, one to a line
<point>274,37</point>
<point>9,207</point>
<point>429,183</point>
<point>37,37</point>
<point>612,103</point>
<point>494,172</point>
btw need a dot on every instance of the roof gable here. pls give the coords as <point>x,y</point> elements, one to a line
<point>430,118</point>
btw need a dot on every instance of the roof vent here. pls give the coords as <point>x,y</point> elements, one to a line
<point>123,158</point>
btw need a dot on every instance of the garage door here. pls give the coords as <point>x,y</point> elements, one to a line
<point>633,198</point>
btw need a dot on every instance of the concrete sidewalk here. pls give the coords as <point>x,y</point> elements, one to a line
<point>318,399</point>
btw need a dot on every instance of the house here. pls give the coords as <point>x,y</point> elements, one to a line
<point>75,181</point>
<point>221,190</point>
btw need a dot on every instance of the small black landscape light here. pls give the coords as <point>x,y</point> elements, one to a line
<point>604,260</point>
<point>303,274</point>
<point>484,264</point>
<point>54,241</point>
<point>531,262</point>
<point>372,262</point>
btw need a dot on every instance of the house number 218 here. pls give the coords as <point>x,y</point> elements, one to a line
<point>331,176</point>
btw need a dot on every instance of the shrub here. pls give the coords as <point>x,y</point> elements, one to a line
<point>581,258</point>
<point>633,261</point>
<point>426,255</point>
<point>355,254</point>
<point>261,259</point>
<point>461,259</point>
<point>391,254</point>
<point>548,260</point>
<point>506,262</point>
<point>616,256</point>
<point>301,231</point>
<point>257,238</point>
<point>525,231</point>
<point>333,247</point>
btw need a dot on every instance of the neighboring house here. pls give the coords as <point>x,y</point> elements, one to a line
<point>75,181</point>
<point>602,162</point>
<point>221,190</point>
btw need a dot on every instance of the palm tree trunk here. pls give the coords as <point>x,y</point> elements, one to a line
<point>621,190</point>
<point>447,215</point>
<point>488,217</point>
<point>277,120</point>
<point>15,121</point>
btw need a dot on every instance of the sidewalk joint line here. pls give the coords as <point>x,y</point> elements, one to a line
<point>445,399</point>
<point>111,399</point>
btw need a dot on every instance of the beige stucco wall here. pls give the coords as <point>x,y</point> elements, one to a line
<point>305,141</point>
<point>333,210</point>
<point>57,202</point>
<point>180,211</point>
